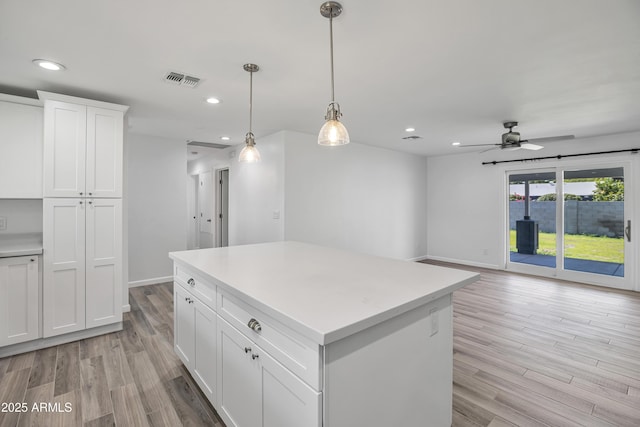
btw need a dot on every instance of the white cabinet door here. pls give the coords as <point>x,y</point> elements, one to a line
<point>19,308</point>
<point>63,280</point>
<point>286,400</point>
<point>65,135</point>
<point>103,262</point>
<point>20,151</point>
<point>239,388</point>
<point>204,360</point>
<point>255,390</point>
<point>183,327</point>
<point>104,152</point>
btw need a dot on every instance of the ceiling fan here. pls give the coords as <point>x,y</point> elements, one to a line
<point>511,140</point>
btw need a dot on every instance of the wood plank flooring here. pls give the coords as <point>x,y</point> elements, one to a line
<point>527,352</point>
<point>531,351</point>
<point>130,378</point>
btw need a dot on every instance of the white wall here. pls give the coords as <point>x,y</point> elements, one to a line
<point>23,216</point>
<point>256,194</point>
<point>157,206</point>
<point>466,212</point>
<point>355,197</point>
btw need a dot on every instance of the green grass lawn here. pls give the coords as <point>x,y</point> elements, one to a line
<point>607,249</point>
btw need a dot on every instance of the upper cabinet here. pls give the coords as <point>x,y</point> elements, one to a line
<point>20,148</point>
<point>83,147</point>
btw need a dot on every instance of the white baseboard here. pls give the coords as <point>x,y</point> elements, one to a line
<point>153,281</point>
<point>126,308</point>
<point>463,262</point>
<point>418,258</point>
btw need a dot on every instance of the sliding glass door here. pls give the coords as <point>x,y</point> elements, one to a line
<point>572,223</point>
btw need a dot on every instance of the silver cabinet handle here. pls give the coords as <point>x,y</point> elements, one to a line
<point>627,230</point>
<point>189,300</point>
<point>90,194</point>
<point>255,356</point>
<point>254,325</point>
<point>81,193</point>
<point>80,201</point>
<point>247,349</point>
<point>191,282</point>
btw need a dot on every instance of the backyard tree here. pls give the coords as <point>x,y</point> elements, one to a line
<point>608,190</point>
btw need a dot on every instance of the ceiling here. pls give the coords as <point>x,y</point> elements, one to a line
<point>454,70</point>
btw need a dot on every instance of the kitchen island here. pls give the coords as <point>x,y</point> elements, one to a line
<point>292,334</point>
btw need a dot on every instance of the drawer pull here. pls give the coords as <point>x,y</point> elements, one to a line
<point>255,356</point>
<point>191,282</point>
<point>254,325</point>
<point>247,349</point>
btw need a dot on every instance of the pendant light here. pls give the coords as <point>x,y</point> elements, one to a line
<point>332,132</point>
<point>249,153</point>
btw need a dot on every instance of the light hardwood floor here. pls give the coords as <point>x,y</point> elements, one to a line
<point>527,352</point>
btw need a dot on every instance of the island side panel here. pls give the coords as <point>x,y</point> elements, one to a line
<point>395,373</point>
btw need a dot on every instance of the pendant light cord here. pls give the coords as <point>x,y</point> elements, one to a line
<point>331,44</point>
<point>250,101</point>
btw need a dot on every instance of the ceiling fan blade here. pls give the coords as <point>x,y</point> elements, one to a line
<point>489,149</point>
<point>477,145</point>
<point>551,138</point>
<point>529,146</point>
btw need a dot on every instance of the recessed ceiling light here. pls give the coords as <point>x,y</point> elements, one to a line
<point>49,65</point>
<point>213,100</point>
<point>410,130</point>
<point>225,138</point>
<point>455,143</point>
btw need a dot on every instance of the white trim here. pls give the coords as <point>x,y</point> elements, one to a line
<point>49,96</point>
<point>21,100</point>
<point>418,258</point>
<point>153,281</point>
<point>463,262</point>
<point>59,339</point>
<point>126,308</point>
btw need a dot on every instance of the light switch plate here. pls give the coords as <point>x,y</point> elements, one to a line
<point>3,223</point>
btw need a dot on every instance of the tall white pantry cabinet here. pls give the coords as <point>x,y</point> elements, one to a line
<point>82,229</point>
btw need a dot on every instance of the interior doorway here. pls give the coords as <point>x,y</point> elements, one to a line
<point>193,240</point>
<point>222,208</point>
<point>205,205</point>
<point>572,222</point>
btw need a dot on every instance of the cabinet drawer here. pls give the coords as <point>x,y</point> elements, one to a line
<point>291,349</point>
<point>205,291</point>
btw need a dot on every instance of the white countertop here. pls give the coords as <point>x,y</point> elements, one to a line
<point>325,294</point>
<point>20,244</point>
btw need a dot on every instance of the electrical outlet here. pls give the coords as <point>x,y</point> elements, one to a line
<point>3,223</point>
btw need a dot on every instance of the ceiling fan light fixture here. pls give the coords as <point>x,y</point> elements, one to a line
<point>250,153</point>
<point>333,132</point>
<point>529,146</point>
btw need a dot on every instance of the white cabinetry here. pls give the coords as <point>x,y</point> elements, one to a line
<point>19,307</point>
<point>195,332</point>
<point>255,390</point>
<point>83,147</point>
<point>20,148</point>
<point>82,277</point>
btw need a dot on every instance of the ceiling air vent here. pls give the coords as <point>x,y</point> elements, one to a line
<point>181,79</point>
<point>412,137</point>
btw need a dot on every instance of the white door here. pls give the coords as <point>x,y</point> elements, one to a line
<point>183,327</point>
<point>19,310</point>
<point>103,262</point>
<point>573,222</point>
<point>63,280</point>
<point>239,389</point>
<point>222,210</point>
<point>21,159</point>
<point>204,363</point>
<point>192,211</point>
<point>104,152</point>
<point>286,400</point>
<point>205,201</point>
<point>65,133</point>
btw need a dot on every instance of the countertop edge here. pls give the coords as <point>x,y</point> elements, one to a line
<point>325,338</point>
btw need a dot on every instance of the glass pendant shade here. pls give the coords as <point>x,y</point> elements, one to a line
<point>249,153</point>
<point>333,132</point>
